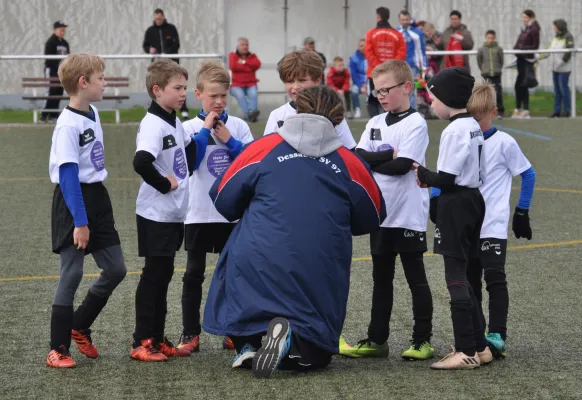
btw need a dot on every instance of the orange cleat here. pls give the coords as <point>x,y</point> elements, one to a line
<point>147,352</point>
<point>190,343</point>
<point>60,359</point>
<point>169,350</point>
<point>84,343</point>
<point>227,343</point>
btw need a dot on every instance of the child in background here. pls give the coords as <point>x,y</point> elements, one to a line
<point>338,78</point>
<point>490,61</point>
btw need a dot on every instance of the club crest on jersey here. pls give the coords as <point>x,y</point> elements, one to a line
<point>375,134</point>
<point>169,142</point>
<point>86,137</point>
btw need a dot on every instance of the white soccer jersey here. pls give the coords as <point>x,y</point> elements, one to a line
<point>216,160</point>
<point>406,203</point>
<point>278,117</point>
<point>167,144</point>
<point>460,151</point>
<point>78,138</point>
<point>504,160</point>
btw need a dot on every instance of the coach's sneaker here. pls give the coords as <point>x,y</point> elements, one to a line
<point>82,338</point>
<point>244,359</point>
<point>278,342</point>
<point>146,352</point>
<point>346,350</point>
<point>60,359</point>
<point>227,343</point>
<point>485,356</point>
<point>168,349</point>
<point>516,114</point>
<point>497,345</point>
<point>190,343</point>
<point>418,351</point>
<point>457,360</point>
<point>367,348</point>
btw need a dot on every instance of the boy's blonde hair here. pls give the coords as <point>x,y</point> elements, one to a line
<point>160,72</point>
<point>299,64</point>
<point>321,100</point>
<point>77,65</point>
<point>212,72</point>
<point>400,70</point>
<point>482,100</point>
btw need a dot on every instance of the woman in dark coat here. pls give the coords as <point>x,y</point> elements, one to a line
<point>529,39</point>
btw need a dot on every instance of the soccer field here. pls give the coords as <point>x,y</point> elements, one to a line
<point>544,275</point>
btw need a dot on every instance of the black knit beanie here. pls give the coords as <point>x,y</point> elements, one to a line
<point>452,86</point>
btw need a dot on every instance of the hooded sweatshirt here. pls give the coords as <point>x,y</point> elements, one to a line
<point>561,62</point>
<point>300,196</point>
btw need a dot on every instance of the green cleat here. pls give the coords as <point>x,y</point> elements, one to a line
<point>346,350</point>
<point>418,351</point>
<point>367,348</point>
<point>497,345</point>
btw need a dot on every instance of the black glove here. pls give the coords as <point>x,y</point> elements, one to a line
<point>432,210</point>
<point>521,226</point>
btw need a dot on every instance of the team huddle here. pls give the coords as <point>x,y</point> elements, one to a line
<point>282,211</point>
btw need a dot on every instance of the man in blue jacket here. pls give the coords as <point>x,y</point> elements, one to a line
<point>285,270</point>
<point>358,68</point>
<point>415,49</point>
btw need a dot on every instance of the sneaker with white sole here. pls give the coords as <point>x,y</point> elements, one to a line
<point>524,114</point>
<point>244,359</point>
<point>516,114</point>
<point>358,113</point>
<point>457,360</point>
<point>275,347</point>
<point>485,356</point>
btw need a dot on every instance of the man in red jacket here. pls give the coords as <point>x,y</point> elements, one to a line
<point>383,43</point>
<point>244,66</point>
<point>338,78</point>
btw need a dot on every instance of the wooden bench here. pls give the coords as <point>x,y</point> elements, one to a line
<point>35,83</point>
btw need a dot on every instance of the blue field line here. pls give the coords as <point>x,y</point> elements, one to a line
<point>525,133</point>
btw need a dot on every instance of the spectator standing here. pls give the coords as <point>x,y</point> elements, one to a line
<point>561,68</point>
<point>358,67</point>
<point>55,45</point>
<point>162,38</point>
<point>457,37</point>
<point>244,66</point>
<point>528,39</point>
<point>415,50</point>
<point>434,42</point>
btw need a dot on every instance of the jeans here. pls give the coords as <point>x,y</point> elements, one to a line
<point>355,96</point>
<point>246,97</point>
<point>561,91</point>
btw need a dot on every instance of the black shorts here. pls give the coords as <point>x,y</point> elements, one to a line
<point>102,232</point>
<point>304,355</point>
<point>158,239</point>
<point>211,237</point>
<point>492,251</point>
<point>397,240</point>
<point>460,216</point>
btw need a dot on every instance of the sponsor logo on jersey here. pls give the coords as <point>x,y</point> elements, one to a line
<point>86,137</point>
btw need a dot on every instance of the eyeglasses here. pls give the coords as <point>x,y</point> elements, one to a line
<point>385,91</point>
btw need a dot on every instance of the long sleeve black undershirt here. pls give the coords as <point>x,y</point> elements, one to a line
<point>384,162</point>
<point>441,180</point>
<point>143,164</point>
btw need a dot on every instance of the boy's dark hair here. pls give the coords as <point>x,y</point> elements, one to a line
<point>530,13</point>
<point>404,12</point>
<point>160,72</point>
<point>321,100</point>
<point>384,13</point>
<point>159,11</point>
<point>338,58</point>
<point>457,13</point>
<point>490,32</point>
<point>299,64</point>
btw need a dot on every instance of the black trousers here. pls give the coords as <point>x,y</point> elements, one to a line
<point>305,356</point>
<point>521,92</point>
<point>491,262</point>
<point>151,298</point>
<point>52,91</point>
<point>374,106</point>
<point>192,291</point>
<point>383,296</point>
<point>496,82</point>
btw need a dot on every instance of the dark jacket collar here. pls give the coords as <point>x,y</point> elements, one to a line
<point>394,118</point>
<point>383,24</point>
<point>159,112</point>
<point>461,115</point>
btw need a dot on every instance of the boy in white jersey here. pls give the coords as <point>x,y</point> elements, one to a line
<point>219,138</point>
<point>82,217</point>
<point>391,143</point>
<point>504,160</point>
<point>299,70</point>
<point>164,159</point>
<point>460,211</point>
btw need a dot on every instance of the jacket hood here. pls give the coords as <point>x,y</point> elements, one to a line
<point>562,27</point>
<point>310,134</point>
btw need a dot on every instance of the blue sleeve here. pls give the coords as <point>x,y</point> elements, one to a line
<point>528,181</point>
<point>434,192</point>
<point>423,49</point>
<point>354,70</point>
<point>201,140</point>
<point>71,188</point>
<point>234,146</point>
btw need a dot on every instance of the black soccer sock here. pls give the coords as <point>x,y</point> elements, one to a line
<point>422,308</point>
<point>166,271</point>
<point>61,326</point>
<point>192,292</point>
<point>382,297</point>
<point>88,311</point>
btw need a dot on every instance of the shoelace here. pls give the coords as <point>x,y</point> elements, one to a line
<point>61,355</point>
<point>87,335</point>
<point>367,341</point>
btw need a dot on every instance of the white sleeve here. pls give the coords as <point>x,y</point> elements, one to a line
<point>345,135</point>
<point>149,139</point>
<point>514,158</point>
<point>364,143</point>
<point>453,152</point>
<point>272,125</point>
<point>188,128</point>
<point>415,143</point>
<point>67,145</point>
<point>244,133</point>
<point>185,135</point>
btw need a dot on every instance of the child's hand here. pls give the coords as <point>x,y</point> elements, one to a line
<point>458,36</point>
<point>221,132</point>
<point>210,120</point>
<point>364,89</point>
<point>340,92</point>
<point>81,236</point>
<point>173,182</point>
<point>414,167</point>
